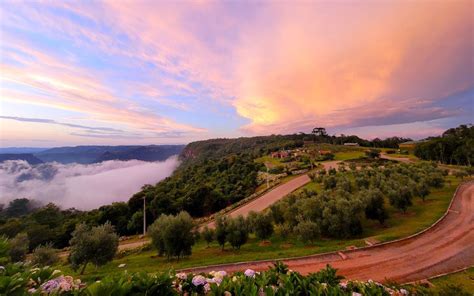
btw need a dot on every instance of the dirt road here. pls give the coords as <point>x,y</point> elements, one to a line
<point>267,199</point>
<point>261,203</point>
<point>401,159</point>
<point>445,247</point>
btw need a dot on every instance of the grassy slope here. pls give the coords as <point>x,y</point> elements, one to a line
<point>463,278</point>
<point>348,155</point>
<point>419,216</point>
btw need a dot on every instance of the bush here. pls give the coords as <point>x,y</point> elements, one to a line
<point>372,153</point>
<point>277,169</point>
<point>45,255</point>
<point>307,231</point>
<point>173,236</point>
<point>4,250</point>
<point>96,245</point>
<point>19,247</point>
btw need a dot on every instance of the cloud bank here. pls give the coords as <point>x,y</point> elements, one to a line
<point>80,186</point>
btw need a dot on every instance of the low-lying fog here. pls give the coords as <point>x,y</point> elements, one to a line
<point>77,185</point>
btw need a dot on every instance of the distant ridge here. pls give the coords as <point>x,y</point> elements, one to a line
<point>28,157</point>
<point>95,154</point>
<point>21,150</point>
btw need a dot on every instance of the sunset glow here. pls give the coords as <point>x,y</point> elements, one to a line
<point>112,72</point>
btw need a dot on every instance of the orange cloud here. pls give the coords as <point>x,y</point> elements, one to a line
<point>298,72</point>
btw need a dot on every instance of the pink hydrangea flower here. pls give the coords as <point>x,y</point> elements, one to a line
<point>249,273</point>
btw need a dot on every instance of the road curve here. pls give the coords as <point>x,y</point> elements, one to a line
<point>445,247</point>
<point>265,200</point>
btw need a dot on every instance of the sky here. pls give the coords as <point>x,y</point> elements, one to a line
<point>171,72</point>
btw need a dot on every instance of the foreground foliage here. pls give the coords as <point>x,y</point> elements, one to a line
<point>19,279</point>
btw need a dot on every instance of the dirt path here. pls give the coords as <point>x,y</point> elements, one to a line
<point>401,159</point>
<point>266,200</point>
<point>445,247</point>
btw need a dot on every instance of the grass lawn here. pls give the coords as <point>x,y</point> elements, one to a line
<point>348,155</point>
<point>463,278</point>
<point>418,217</point>
<point>270,160</point>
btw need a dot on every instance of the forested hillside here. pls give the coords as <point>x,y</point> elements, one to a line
<point>454,146</point>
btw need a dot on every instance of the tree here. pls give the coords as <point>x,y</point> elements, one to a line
<point>19,247</point>
<point>375,208</point>
<point>45,255</point>
<point>401,199</point>
<point>173,235</point>
<point>49,215</point>
<point>329,182</point>
<point>237,232</point>
<point>157,233</point>
<point>179,237</point>
<point>136,222</point>
<point>19,207</point>
<point>96,245</point>
<point>422,189</point>
<point>208,235</point>
<point>307,231</point>
<point>319,131</point>
<point>261,224</point>
<point>372,153</point>
<point>221,230</point>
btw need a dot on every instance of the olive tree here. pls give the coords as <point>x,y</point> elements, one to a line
<point>374,205</point>
<point>173,235</point>
<point>96,245</point>
<point>307,231</point>
<point>261,224</point>
<point>237,232</point>
<point>221,230</point>
<point>422,189</point>
<point>208,235</point>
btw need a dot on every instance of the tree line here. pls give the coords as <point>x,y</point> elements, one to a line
<point>454,146</point>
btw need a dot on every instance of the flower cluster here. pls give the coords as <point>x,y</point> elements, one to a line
<point>59,285</point>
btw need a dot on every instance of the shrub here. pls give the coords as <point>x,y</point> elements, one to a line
<point>45,255</point>
<point>19,247</point>
<point>96,245</point>
<point>372,153</point>
<point>461,174</point>
<point>4,250</point>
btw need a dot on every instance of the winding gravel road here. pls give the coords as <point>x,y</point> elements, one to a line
<point>445,247</point>
<point>266,200</point>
